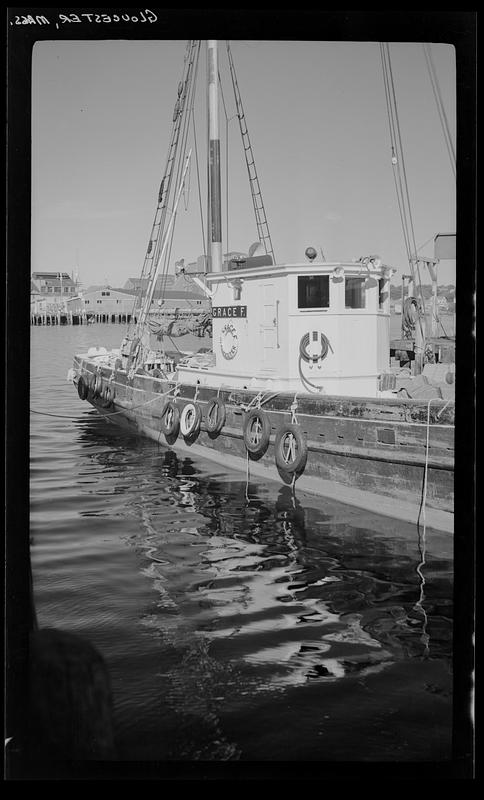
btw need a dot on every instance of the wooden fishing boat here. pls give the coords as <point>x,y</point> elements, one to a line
<point>299,385</point>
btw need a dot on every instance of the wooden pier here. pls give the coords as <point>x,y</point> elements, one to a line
<point>69,318</point>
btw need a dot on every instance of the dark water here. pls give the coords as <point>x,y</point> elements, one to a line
<point>238,622</point>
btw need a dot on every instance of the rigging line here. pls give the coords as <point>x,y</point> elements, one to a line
<point>395,170</point>
<point>413,266</point>
<point>227,183</point>
<point>387,96</point>
<point>226,162</point>
<point>178,156</point>
<point>440,105</point>
<point>423,245</point>
<point>199,186</point>
<point>181,152</point>
<point>204,244</point>
<point>401,210</point>
<point>400,145</point>
<point>163,195</point>
<point>161,210</point>
<point>394,146</point>
<point>209,213</point>
<point>255,188</point>
<point>397,161</point>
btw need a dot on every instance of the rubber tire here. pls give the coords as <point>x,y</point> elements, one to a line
<point>98,385</point>
<point>173,428</point>
<point>215,425</point>
<point>107,397</point>
<point>192,430</point>
<point>302,449</point>
<point>82,388</point>
<point>257,448</point>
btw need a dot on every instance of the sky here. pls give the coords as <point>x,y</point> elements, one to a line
<point>316,113</point>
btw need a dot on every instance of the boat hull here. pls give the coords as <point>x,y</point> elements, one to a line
<point>390,456</point>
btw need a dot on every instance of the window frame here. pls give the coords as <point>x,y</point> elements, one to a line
<point>321,278</point>
<point>361,280</point>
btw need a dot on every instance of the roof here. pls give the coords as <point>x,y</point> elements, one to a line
<point>161,279</point>
<point>51,275</point>
<point>169,294</point>
<point>52,278</point>
<point>110,289</point>
<point>174,294</point>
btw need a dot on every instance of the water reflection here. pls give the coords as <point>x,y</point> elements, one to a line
<point>217,601</point>
<point>290,592</point>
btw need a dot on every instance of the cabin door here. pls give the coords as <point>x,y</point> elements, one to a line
<point>269,331</point>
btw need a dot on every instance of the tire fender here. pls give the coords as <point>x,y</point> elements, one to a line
<point>82,388</point>
<point>98,384</point>
<point>170,419</point>
<point>190,419</point>
<point>257,431</point>
<point>215,415</point>
<point>291,450</point>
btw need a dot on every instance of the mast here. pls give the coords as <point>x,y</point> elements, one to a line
<point>214,160</point>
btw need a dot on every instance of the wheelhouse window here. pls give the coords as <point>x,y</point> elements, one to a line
<point>355,293</point>
<point>313,291</point>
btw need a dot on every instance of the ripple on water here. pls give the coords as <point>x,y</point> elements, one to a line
<point>210,598</point>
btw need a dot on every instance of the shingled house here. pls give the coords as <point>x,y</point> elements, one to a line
<point>49,291</point>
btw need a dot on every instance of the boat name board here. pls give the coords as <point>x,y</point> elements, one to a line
<point>229,311</point>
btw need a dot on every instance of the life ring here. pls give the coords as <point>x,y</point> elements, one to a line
<point>82,388</point>
<point>190,419</point>
<point>215,415</point>
<point>257,431</point>
<point>291,450</point>
<point>170,419</point>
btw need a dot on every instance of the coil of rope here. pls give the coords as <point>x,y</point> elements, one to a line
<point>410,311</point>
<point>303,348</point>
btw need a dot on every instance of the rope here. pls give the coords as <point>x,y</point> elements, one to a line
<point>204,243</point>
<point>307,383</point>
<point>113,413</point>
<point>256,192</point>
<point>400,176</point>
<point>422,534</point>
<point>421,511</point>
<point>47,414</point>
<point>425,638</point>
<point>258,400</point>
<point>156,237</point>
<point>227,120</point>
<point>440,106</point>
<point>247,478</point>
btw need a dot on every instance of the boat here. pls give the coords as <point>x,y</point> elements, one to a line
<point>299,385</point>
